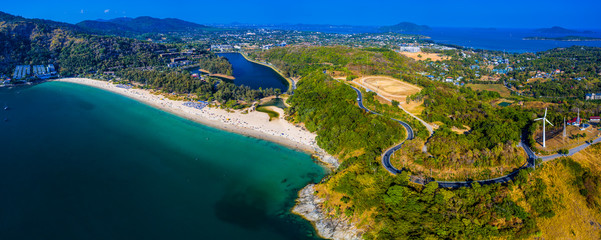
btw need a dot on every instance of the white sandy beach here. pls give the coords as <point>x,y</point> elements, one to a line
<point>254,124</point>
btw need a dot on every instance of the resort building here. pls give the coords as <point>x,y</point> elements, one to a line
<point>37,71</point>
<point>595,119</point>
<point>411,49</point>
<point>593,96</point>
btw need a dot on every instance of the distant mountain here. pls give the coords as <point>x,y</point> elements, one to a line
<point>566,38</point>
<point>140,25</point>
<point>556,30</point>
<point>405,27</point>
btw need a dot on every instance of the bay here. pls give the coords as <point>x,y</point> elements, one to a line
<point>80,163</point>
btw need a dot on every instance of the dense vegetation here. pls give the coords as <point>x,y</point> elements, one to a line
<point>326,107</point>
<point>25,41</point>
<point>480,212</point>
<point>213,63</point>
<point>494,131</point>
<point>209,89</point>
<point>301,60</point>
<point>389,206</point>
<point>72,51</point>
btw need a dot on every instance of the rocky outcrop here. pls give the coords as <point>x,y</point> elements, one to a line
<point>309,207</point>
<point>329,160</point>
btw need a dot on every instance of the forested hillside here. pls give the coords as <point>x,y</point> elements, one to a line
<point>388,206</point>
<point>27,41</point>
<point>301,60</point>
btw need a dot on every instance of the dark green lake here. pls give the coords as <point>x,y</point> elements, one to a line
<point>81,163</point>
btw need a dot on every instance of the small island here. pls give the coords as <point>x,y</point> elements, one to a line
<point>566,38</point>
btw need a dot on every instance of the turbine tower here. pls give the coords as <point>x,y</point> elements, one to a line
<point>564,127</point>
<point>544,119</point>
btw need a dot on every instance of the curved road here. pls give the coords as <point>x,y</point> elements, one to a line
<point>456,184</point>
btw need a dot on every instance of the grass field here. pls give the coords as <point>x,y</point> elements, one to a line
<point>574,218</point>
<point>491,87</point>
<point>555,140</point>
<point>267,109</point>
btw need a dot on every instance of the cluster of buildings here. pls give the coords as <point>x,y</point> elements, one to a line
<point>179,58</point>
<point>23,72</point>
<point>578,122</point>
<point>593,96</point>
<point>222,48</point>
<point>410,48</point>
<point>179,61</point>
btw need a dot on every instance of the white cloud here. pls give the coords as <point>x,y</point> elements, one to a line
<point>107,11</point>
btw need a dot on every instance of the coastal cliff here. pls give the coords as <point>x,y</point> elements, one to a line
<point>309,207</point>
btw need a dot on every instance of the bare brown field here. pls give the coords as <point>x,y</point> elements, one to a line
<point>423,56</point>
<point>389,87</point>
<point>461,131</point>
<point>537,105</point>
<point>489,78</point>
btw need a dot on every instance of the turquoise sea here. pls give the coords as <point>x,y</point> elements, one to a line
<point>81,163</point>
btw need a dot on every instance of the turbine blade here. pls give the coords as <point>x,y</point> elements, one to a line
<point>545,113</point>
<point>549,122</point>
<point>538,119</point>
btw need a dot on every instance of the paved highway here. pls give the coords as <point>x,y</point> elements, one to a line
<point>457,184</point>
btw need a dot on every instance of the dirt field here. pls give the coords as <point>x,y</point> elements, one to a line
<point>424,56</point>
<point>489,78</point>
<point>389,87</point>
<point>393,89</point>
<point>491,87</point>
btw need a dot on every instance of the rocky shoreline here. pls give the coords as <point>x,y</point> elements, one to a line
<point>309,207</point>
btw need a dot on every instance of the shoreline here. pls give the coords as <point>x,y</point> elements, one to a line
<point>252,124</point>
<point>309,207</point>
<point>291,82</point>
<point>258,125</point>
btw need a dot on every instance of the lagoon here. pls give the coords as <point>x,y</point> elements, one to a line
<point>254,75</point>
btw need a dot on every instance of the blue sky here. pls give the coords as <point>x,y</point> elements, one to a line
<point>458,13</point>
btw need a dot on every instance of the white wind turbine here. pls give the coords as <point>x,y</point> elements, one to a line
<point>544,120</point>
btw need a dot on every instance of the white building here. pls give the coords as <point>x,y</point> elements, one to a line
<point>410,49</point>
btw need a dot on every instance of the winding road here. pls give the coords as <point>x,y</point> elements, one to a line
<point>457,184</point>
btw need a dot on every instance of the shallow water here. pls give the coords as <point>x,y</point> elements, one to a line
<point>81,163</point>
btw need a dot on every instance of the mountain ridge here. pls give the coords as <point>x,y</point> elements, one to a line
<point>139,25</point>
